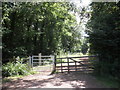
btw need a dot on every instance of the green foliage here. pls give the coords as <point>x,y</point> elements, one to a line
<point>104,37</point>
<point>84,48</point>
<point>13,69</point>
<point>103,68</point>
<point>59,60</point>
<point>32,28</point>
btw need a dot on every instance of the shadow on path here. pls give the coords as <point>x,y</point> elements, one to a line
<point>61,80</point>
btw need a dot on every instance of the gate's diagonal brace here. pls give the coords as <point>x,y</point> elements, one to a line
<point>76,61</point>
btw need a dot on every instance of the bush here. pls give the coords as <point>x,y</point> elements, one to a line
<point>12,69</point>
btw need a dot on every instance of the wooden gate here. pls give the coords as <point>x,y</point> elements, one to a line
<point>79,64</point>
<point>41,63</point>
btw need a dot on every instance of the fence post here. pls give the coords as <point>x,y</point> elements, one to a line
<point>54,65</point>
<point>75,66</point>
<point>61,66</point>
<point>39,58</point>
<point>32,61</point>
<point>29,61</point>
<point>68,64</point>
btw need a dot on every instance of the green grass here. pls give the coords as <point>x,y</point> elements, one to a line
<point>15,77</point>
<point>108,81</point>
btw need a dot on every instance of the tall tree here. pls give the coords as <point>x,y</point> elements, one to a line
<point>32,28</point>
<point>104,32</point>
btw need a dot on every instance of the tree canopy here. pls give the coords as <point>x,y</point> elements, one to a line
<point>32,28</point>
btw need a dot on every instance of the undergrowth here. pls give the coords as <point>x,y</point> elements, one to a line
<point>15,69</point>
<point>107,81</point>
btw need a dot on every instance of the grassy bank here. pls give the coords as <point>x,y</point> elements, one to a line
<point>107,81</point>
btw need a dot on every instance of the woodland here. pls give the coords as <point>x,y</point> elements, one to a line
<point>51,27</point>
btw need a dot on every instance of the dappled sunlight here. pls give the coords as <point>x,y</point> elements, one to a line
<point>61,80</point>
<point>78,84</point>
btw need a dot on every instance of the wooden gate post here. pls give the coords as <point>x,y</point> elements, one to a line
<point>40,59</point>
<point>30,65</point>
<point>32,61</point>
<point>75,65</point>
<point>54,65</point>
<point>68,64</point>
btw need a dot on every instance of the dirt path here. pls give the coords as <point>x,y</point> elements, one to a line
<point>61,80</point>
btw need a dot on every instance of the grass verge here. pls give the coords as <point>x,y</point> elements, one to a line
<point>107,81</point>
<point>16,77</point>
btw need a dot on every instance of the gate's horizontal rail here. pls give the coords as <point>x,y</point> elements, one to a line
<point>74,62</point>
<point>76,57</point>
<point>82,69</point>
<point>64,62</point>
<point>74,66</point>
<point>85,71</point>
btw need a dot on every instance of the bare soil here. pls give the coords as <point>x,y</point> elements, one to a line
<point>60,80</point>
